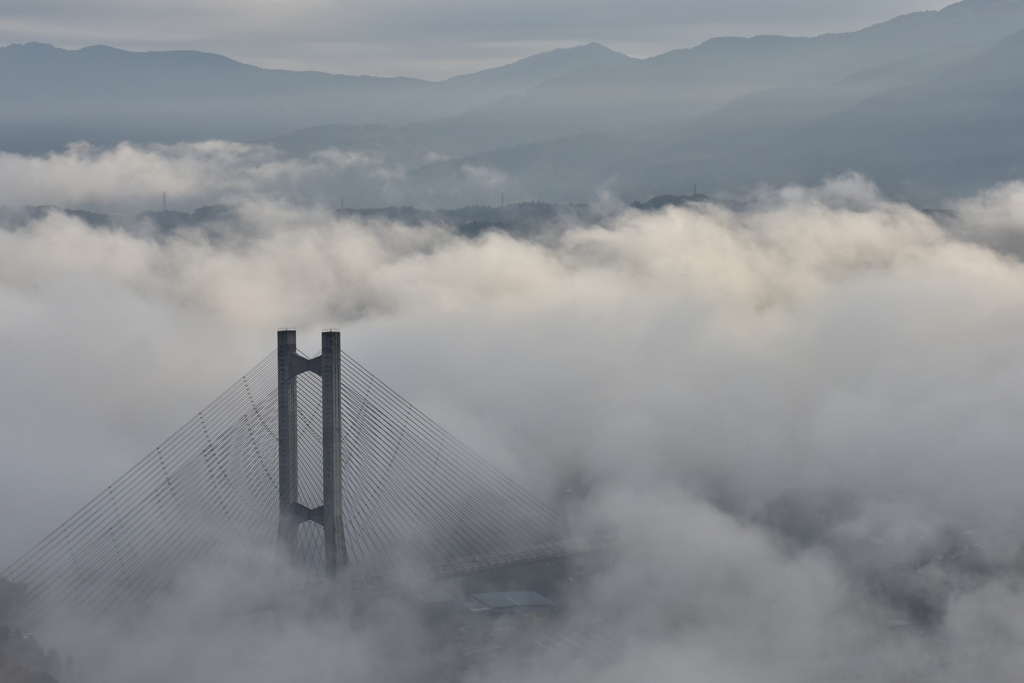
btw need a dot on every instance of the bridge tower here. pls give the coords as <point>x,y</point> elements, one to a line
<point>291,513</point>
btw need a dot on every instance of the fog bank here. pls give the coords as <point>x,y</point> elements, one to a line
<point>801,419</point>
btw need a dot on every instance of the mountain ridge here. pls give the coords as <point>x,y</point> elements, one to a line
<point>106,95</point>
<point>551,58</point>
<point>560,124</point>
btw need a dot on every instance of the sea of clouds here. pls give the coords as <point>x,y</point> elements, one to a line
<point>802,419</point>
<point>132,178</point>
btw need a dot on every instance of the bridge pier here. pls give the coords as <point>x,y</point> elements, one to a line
<point>291,513</point>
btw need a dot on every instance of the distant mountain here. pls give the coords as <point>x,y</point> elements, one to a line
<point>938,123</point>
<point>726,86</point>
<point>539,68</point>
<point>950,134</point>
<point>681,86</point>
<point>104,95</point>
<point>926,104</point>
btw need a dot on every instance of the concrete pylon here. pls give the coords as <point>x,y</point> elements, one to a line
<point>334,528</point>
<point>291,513</point>
<point>287,444</point>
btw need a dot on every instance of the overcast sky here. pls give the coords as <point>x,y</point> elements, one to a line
<point>432,39</point>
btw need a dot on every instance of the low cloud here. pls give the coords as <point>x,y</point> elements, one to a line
<point>801,419</point>
<point>132,178</point>
<point>128,179</point>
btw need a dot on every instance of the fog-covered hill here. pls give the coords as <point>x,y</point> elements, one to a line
<point>730,114</point>
<point>926,104</point>
<point>948,134</point>
<point>654,97</point>
<point>942,122</point>
<point>104,95</point>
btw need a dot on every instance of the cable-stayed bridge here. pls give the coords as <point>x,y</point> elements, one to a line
<point>315,456</point>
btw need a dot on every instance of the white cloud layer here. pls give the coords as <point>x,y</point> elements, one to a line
<point>131,178</point>
<point>802,418</point>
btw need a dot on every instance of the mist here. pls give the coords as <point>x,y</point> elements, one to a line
<point>925,104</point>
<point>400,38</point>
<point>798,417</point>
